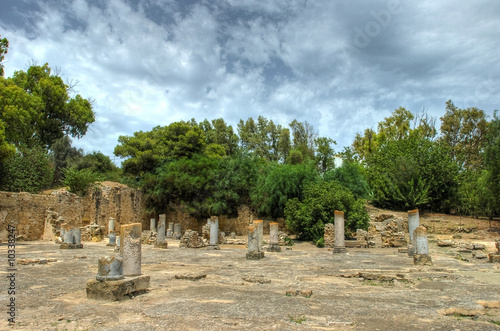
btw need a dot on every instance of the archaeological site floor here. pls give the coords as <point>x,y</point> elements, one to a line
<point>200,289</point>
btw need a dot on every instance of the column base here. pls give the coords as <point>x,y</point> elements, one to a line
<point>116,289</point>
<point>422,259</point>
<point>161,244</point>
<point>339,250</point>
<point>274,248</point>
<point>255,255</point>
<point>70,246</point>
<point>213,247</point>
<point>411,250</point>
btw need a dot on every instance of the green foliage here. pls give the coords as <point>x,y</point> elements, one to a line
<point>464,131</point>
<point>28,170</point>
<point>79,181</point>
<point>62,155</point>
<point>4,47</point>
<point>37,109</point>
<point>320,242</point>
<point>411,173</point>
<point>491,178</point>
<point>278,183</point>
<point>217,132</point>
<point>352,176</point>
<point>187,181</point>
<point>324,153</point>
<point>295,157</point>
<point>307,217</point>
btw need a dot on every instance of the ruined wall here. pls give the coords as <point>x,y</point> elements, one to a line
<point>28,212</point>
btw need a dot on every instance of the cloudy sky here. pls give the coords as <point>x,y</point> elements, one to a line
<point>340,65</point>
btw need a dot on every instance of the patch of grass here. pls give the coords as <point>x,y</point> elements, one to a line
<point>494,322</point>
<point>297,319</point>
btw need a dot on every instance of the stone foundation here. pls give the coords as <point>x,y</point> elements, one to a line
<point>70,246</point>
<point>422,259</point>
<point>255,255</point>
<point>116,289</point>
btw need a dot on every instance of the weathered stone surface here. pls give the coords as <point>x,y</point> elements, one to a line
<point>256,279</point>
<point>255,255</point>
<point>494,258</point>
<point>190,239</point>
<point>116,289</point>
<point>422,259</point>
<point>461,312</point>
<point>34,261</point>
<point>191,276</point>
<point>130,248</point>
<point>329,235</point>
<point>445,243</point>
<point>110,268</point>
<point>303,293</point>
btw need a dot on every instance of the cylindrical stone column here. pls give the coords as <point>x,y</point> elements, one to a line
<point>253,244</point>
<point>160,234</point>
<point>274,244</point>
<point>177,230</point>
<point>77,236</point>
<point>68,236</point>
<point>112,239</point>
<point>161,241</point>
<point>130,248</point>
<point>111,225</point>
<point>413,223</point>
<point>420,239</point>
<point>339,244</point>
<point>259,230</point>
<point>110,268</point>
<point>152,225</point>
<point>171,227</point>
<point>214,232</point>
<point>64,227</point>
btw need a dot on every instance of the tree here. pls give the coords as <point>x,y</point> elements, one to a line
<point>29,170</point>
<point>308,216</point>
<point>464,130</point>
<point>364,146</point>
<point>325,155</point>
<point>352,176</point>
<point>303,136</point>
<point>218,132</point>
<point>37,109</point>
<point>491,181</point>
<point>4,47</point>
<point>280,182</point>
<point>145,151</point>
<point>63,155</point>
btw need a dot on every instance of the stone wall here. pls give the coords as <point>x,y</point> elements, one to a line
<point>28,212</point>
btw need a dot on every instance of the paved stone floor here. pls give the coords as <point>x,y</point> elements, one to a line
<point>240,294</point>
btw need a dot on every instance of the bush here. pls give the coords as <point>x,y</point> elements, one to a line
<point>308,217</point>
<point>352,176</point>
<point>79,181</point>
<point>29,170</point>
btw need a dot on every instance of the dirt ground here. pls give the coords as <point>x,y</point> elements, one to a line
<point>365,289</point>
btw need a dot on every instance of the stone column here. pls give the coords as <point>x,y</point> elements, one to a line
<point>161,242</point>
<point>130,248</point>
<point>64,227</point>
<point>68,236</point>
<point>77,236</point>
<point>152,225</point>
<point>112,239</point>
<point>421,256</point>
<point>117,246</point>
<point>111,225</point>
<point>170,230</point>
<point>214,233</point>
<point>413,223</point>
<point>253,244</point>
<point>259,229</point>
<point>274,244</point>
<point>110,268</point>
<point>339,244</point>
<point>177,231</point>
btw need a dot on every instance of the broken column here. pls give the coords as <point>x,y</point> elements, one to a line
<point>254,253</point>
<point>62,232</point>
<point>130,248</point>
<point>112,239</point>
<point>274,244</point>
<point>110,283</point>
<point>72,239</point>
<point>111,225</point>
<point>170,230</point>
<point>110,268</point>
<point>214,233</point>
<point>421,254</point>
<point>259,229</point>
<point>413,223</point>
<point>339,244</point>
<point>161,241</point>
<point>152,225</point>
<point>177,231</point>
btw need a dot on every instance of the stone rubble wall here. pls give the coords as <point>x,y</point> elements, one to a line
<point>329,235</point>
<point>29,212</point>
<point>38,216</point>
